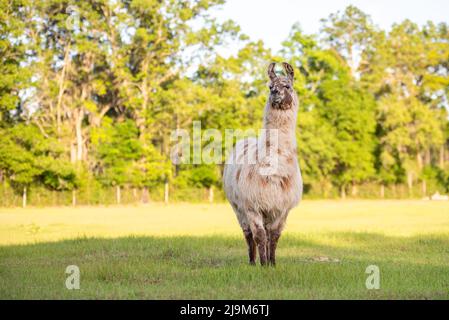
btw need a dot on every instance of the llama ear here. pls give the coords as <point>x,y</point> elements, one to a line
<point>271,72</point>
<point>289,70</point>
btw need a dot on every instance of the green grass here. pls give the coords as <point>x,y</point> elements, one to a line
<point>312,263</point>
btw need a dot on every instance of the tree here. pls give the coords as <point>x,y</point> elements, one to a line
<point>351,112</point>
<point>13,76</point>
<point>118,148</point>
<point>402,77</point>
<point>28,157</point>
<point>350,33</point>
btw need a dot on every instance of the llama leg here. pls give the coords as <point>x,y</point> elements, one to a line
<point>268,233</point>
<point>261,241</point>
<point>274,237</point>
<point>275,231</point>
<point>259,235</point>
<point>251,246</point>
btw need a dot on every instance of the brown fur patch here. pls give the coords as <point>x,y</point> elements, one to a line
<point>286,183</point>
<point>290,160</point>
<point>268,144</point>
<point>237,176</point>
<point>287,102</point>
<point>263,181</point>
<point>250,174</point>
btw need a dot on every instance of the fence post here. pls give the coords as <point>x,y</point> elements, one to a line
<point>118,194</point>
<point>24,197</point>
<point>211,194</point>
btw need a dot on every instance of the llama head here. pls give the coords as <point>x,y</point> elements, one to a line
<point>282,94</point>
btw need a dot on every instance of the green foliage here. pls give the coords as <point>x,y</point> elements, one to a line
<point>201,176</point>
<point>13,76</point>
<point>351,113</point>
<point>118,148</point>
<point>28,157</point>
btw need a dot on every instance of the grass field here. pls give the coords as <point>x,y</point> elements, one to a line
<point>183,251</point>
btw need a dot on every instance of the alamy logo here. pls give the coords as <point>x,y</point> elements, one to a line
<point>206,146</point>
<point>373,280</point>
<point>73,20</point>
<point>73,280</point>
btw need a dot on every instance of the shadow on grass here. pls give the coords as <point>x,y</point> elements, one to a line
<point>328,265</point>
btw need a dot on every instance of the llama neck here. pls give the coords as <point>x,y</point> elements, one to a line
<point>284,121</point>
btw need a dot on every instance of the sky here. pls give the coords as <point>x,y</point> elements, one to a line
<point>271,20</point>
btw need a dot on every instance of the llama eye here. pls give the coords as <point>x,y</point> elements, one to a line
<point>287,87</point>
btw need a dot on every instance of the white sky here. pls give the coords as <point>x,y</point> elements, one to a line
<point>271,20</point>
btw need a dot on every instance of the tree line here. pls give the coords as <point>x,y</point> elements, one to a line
<point>90,92</point>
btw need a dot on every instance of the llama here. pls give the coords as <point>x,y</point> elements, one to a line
<point>260,198</point>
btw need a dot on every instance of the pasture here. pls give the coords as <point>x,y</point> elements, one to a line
<point>182,251</point>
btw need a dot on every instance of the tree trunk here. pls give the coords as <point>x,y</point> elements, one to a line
<point>85,155</point>
<point>72,152</point>
<point>424,188</point>
<point>324,188</point>
<point>343,192</point>
<point>351,59</point>
<point>24,197</point>
<point>211,194</point>
<point>145,195</point>
<point>428,158</point>
<point>354,190</point>
<point>410,183</point>
<point>61,89</point>
<point>135,194</point>
<point>382,191</point>
<point>74,197</point>
<point>166,192</point>
<point>79,135</point>
<point>4,191</point>
<point>419,159</point>
<point>118,194</point>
